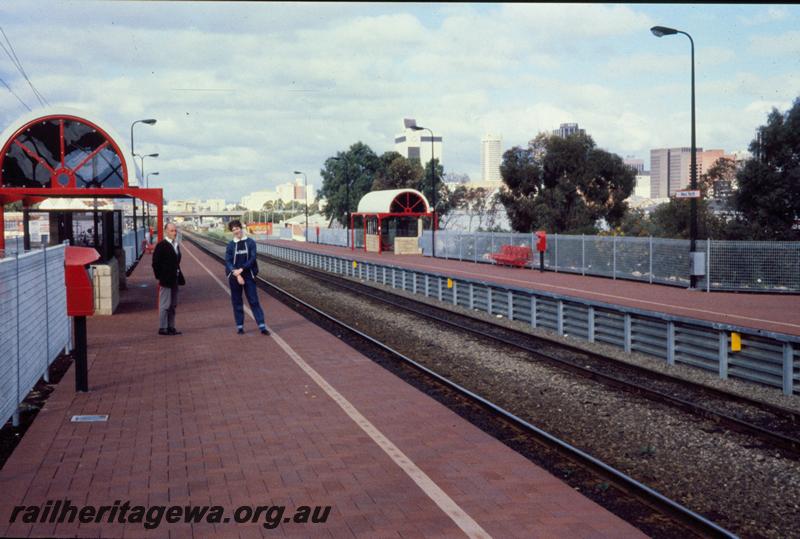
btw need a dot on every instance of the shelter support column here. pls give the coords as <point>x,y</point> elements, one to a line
<point>2,225</point>
<point>160,218</point>
<point>26,228</point>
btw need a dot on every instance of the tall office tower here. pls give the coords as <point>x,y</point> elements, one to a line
<point>565,130</point>
<point>491,157</point>
<point>635,164</point>
<point>669,170</point>
<point>417,145</point>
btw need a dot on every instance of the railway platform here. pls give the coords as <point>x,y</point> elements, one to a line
<point>212,418</point>
<point>778,313</point>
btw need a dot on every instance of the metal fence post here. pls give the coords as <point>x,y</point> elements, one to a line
<point>708,264</point>
<point>651,259</point>
<point>614,255</point>
<point>510,305</point>
<point>627,332</point>
<point>491,236</point>
<point>15,416</point>
<point>788,368</point>
<point>723,355</point>
<point>583,254</point>
<point>560,318</point>
<point>590,320</point>
<point>670,343</point>
<point>533,311</point>
<point>460,245</point>
<point>489,299</point>
<point>46,375</point>
<point>556,254</point>
<point>475,247</point>
<point>533,250</point>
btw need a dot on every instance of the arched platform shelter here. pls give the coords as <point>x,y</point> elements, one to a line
<point>58,154</point>
<point>391,220</point>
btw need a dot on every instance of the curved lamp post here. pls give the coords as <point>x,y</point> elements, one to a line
<point>148,121</point>
<point>433,189</point>
<point>147,206</point>
<point>660,31</point>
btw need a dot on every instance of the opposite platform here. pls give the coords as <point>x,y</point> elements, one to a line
<point>297,419</point>
<point>771,312</point>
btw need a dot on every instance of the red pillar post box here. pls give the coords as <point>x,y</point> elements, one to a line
<point>80,304</point>
<point>541,246</point>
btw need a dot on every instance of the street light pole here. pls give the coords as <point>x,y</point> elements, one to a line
<point>660,31</point>
<point>433,190</point>
<point>149,121</point>
<point>305,180</point>
<point>147,206</point>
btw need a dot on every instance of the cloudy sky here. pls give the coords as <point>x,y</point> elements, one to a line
<point>245,93</point>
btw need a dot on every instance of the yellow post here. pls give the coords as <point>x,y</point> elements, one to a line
<point>449,282</point>
<point>736,342</point>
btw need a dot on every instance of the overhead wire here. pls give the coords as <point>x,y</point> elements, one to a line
<point>12,55</point>
<point>24,104</point>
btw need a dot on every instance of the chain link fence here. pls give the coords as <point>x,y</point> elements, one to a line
<point>763,266</point>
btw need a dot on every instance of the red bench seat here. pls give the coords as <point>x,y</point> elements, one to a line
<point>511,255</point>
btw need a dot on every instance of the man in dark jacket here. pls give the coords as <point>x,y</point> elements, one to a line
<point>167,269</point>
<point>241,267</point>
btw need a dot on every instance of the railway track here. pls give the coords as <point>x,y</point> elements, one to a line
<point>684,519</point>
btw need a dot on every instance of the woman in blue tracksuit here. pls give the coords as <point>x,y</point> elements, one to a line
<point>241,267</point>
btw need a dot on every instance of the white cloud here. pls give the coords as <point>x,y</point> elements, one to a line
<point>770,14</point>
<point>787,43</point>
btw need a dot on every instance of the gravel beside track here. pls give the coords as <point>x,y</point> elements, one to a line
<point>752,491</point>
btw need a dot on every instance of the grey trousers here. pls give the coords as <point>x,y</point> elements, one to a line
<point>167,301</point>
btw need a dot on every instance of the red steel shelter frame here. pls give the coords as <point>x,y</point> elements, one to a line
<point>57,163</point>
<point>407,203</point>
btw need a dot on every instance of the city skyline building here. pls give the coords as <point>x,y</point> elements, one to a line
<point>413,144</point>
<point>670,168</point>
<point>286,192</point>
<point>491,158</point>
<point>635,163</point>
<point>567,129</point>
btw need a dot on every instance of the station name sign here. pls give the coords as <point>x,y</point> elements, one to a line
<point>687,194</point>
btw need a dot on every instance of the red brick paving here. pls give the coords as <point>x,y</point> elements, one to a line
<point>770,312</point>
<point>213,418</point>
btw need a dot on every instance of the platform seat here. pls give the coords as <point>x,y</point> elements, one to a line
<point>511,255</point>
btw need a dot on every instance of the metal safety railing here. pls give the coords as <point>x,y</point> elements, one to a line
<point>34,326</point>
<point>765,357</point>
